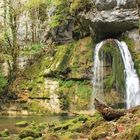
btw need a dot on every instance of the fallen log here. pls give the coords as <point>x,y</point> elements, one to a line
<point>108,112</point>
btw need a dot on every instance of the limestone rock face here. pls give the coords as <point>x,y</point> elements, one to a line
<point>63,34</point>
<point>126,3</point>
<point>110,23</point>
<point>112,17</point>
<point>105,4</point>
<point>110,4</point>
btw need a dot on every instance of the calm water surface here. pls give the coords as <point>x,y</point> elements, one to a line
<point>9,122</point>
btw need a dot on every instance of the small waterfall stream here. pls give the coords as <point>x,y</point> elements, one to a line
<point>132,82</point>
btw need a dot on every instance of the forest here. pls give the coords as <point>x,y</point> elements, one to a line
<point>69,69</point>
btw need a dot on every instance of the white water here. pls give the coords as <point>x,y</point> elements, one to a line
<point>132,82</point>
<point>98,75</point>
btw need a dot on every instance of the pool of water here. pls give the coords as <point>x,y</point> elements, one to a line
<point>9,122</point>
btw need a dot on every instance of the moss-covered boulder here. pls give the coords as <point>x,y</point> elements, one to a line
<point>29,133</point>
<point>103,130</point>
<point>4,133</point>
<point>51,137</point>
<point>22,124</point>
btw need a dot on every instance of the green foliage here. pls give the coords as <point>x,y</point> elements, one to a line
<point>81,90</point>
<point>78,4</point>
<point>3,82</point>
<point>61,13</point>
<point>4,133</point>
<point>35,4</point>
<point>33,49</point>
<point>112,58</point>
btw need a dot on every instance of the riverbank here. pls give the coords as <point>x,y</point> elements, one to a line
<point>81,127</point>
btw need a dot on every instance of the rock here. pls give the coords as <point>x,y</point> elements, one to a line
<point>103,130</point>
<point>51,137</point>
<point>29,133</point>
<point>63,34</point>
<point>126,4</point>
<point>22,124</point>
<point>107,24</point>
<point>105,4</point>
<point>4,133</point>
<point>110,4</point>
<point>138,2</point>
<point>28,138</point>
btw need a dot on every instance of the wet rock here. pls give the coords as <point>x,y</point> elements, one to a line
<point>22,124</point>
<point>28,138</point>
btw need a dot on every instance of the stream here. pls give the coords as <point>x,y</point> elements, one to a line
<point>9,122</point>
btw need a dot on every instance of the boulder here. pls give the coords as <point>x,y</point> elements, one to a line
<point>29,133</point>
<point>22,124</point>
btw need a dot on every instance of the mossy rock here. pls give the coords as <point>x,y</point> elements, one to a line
<point>93,121</point>
<point>131,134</point>
<point>29,133</point>
<point>102,130</point>
<point>75,94</point>
<point>51,137</point>
<point>28,138</point>
<point>77,127</point>
<point>4,133</point>
<point>36,107</point>
<point>22,124</point>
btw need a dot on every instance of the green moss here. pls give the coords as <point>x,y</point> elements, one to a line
<point>22,124</point>
<point>79,4</point>
<point>113,75</point>
<point>132,133</point>
<point>29,133</point>
<point>76,93</point>
<point>28,138</point>
<point>4,133</point>
<point>71,61</point>
<point>3,81</point>
<point>36,107</point>
<point>102,130</point>
<point>61,12</point>
<point>32,49</point>
<point>61,58</point>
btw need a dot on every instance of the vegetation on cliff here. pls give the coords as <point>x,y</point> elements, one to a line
<point>46,60</point>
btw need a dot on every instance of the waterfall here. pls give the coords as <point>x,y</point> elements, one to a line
<point>132,82</point>
<point>98,75</point>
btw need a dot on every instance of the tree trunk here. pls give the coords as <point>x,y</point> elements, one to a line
<point>108,112</point>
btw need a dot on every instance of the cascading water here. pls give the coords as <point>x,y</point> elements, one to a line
<point>132,82</point>
<point>98,75</point>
